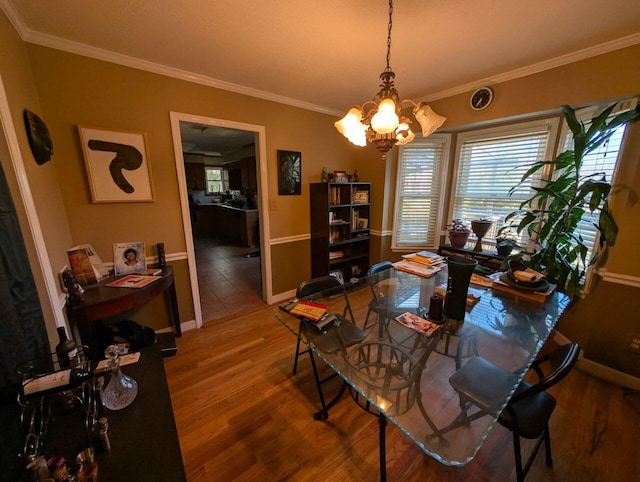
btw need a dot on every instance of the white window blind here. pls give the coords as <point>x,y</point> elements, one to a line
<point>602,161</point>
<point>492,161</point>
<point>421,169</point>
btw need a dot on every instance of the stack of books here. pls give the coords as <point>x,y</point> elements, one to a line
<point>425,257</point>
<point>423,263</point>
<point>335,254</point>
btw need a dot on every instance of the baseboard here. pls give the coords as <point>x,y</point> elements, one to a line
<point>599,370</point>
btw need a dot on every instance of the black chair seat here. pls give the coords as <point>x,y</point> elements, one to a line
<point>484,385</point>
<point>531,413</point>
<point>338,336</point>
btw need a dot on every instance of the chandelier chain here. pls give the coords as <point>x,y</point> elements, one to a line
<point>389,36</point>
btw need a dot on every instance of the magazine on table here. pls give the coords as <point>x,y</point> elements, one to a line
<point>416,323</point>
<point>133,281</point>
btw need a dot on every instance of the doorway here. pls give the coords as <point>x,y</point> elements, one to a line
<point>221,168</point>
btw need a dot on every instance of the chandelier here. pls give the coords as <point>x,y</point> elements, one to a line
<point>380,121</point>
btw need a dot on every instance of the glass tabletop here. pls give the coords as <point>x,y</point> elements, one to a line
<point>405,374</point>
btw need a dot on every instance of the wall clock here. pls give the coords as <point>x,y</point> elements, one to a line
<point>481,98</point>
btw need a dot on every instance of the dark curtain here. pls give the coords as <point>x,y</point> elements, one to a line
<point>23,335</point>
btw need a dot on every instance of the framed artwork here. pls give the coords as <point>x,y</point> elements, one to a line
<point>289,173</point>
<point>340,176</point>
<point>117,165</point>
<point>129,258</point>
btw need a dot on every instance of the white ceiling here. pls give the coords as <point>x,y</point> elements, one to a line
<point>327,54</point>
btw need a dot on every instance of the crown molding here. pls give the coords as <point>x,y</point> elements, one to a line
<point>51,41</point>
<point>560,61</point>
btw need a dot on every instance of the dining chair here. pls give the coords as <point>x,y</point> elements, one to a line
<point>528,411</point>
<point>377,304</point>
<point>340,335</point>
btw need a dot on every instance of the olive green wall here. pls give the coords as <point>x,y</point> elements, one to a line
<point>21,91</point>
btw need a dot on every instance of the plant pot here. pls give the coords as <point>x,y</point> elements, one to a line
<point>480,229</point>
<point>458,239</point>
<point>504,250</point>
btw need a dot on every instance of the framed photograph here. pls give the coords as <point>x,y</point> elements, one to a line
<point>289,173</point>
<point>129,258</point>
<point>363,223</point>
<point>337,273</point>
<point>340,176</point>
<point>361,197</point>
<point>117,165</point>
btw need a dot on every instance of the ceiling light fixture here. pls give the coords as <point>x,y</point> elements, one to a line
<point>383,124</point>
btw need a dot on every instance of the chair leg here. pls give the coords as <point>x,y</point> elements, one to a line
<point>518,456</point>
<point>547,446</point>
<point>295,359</point>
<point>366,320</point>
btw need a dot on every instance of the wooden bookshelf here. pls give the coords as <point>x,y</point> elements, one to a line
<point>340,213</point>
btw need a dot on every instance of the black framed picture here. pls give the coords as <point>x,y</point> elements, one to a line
<point>289,173</point>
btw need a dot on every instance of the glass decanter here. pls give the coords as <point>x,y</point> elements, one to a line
<point>121,389</point>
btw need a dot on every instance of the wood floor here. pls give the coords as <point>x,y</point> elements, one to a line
<point>241,415</point>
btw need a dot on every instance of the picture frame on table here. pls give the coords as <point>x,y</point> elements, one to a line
<point>289,173</point>
<point>117,163</point>
<point>129,258</point>
<point>340,176</point>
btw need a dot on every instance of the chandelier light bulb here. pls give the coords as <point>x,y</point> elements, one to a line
<point>385,120</point>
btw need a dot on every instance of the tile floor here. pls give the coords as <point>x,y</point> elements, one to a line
<point>229,281</point>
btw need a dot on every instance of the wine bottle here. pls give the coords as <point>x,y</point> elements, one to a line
<point>66,350</point>
<point>60,381</point>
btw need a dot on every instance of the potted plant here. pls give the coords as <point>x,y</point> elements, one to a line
<point>506,242</point>
<point>551,215</point>
<point>458,233</point>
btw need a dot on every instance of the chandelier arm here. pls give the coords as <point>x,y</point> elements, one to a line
<point>416,105</point>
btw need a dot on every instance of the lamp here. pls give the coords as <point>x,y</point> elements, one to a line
<point>383,124</point>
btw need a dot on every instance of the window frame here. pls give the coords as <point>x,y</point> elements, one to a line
<point>549,124</point>
<point>224,180</point>
<point>443,142</point>
<point>565,142</point>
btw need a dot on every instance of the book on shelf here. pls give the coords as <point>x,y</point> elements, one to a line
<point>416,323</point>
<point>133,281</point>
<point>335,254</point>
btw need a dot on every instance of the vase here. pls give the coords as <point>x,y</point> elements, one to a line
<point>480,229</point>
<point>458,239</point>
<point>121,390</point>
<point>460,269</point>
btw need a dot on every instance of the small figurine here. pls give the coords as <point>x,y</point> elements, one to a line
<point>73,287</point>
<point>325,178</point>
<point>355,175</point>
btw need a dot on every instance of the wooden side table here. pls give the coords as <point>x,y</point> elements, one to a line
<point>101,302</point>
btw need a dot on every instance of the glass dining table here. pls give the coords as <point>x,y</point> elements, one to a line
<point>403,376</point>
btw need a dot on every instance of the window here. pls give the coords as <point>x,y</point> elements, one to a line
<point>217,180</point>
<point>603,160</point>
<point>422,166</point>
<point>490,162</point>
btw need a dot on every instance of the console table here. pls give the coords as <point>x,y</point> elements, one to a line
<point>101,302</point>
<point>143,436</point>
